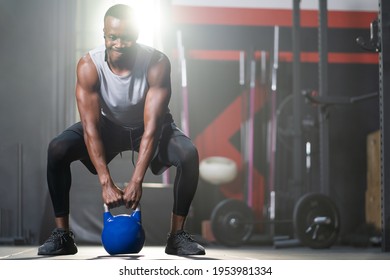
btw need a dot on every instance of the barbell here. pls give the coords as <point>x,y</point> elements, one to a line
<point>315,219</point>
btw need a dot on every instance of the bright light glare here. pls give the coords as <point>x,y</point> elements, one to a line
<point>148,16</point>
<point>308,155</point>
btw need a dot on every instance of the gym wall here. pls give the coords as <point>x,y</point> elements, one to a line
<point>37,102</point>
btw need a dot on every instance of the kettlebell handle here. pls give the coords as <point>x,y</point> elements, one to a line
<point>106,209</point>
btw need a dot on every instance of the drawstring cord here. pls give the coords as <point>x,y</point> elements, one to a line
<point>132,148</point>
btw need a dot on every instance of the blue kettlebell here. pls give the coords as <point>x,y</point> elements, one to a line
<point>122,234</point>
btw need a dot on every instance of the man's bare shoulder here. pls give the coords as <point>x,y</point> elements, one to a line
<point>85,62</point>
<point>86,72</point>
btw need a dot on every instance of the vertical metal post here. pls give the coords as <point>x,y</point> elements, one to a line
<point>297,140</point>
<point>323,92</point>
<point>251,128</point>
<point>19,206</point>
<point>247,120</point>
<point>384,99</point>
<point>183,69</point>
<point>243,129</point>
<point>273,125</point>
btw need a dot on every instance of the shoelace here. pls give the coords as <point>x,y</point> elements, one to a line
<point>54,236</point>
<point>185,235</point>
<point>57,234</point>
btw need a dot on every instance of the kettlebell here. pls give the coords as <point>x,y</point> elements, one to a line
<point>122,234</point>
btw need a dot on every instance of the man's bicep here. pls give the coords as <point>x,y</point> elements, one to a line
<point>86,94</point>
<point>88,104</point>
<point>159,74</point>
<point>156,106</point>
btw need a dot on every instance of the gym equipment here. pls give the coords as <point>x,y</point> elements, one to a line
<point>272,128</point>
<point>373,44</point>
<point>184,89</point>
<point>316,221</point>
<point>122,234</point>
<point>218,170</point>
<point>379,42</point>
<point>384,103</point>
<point>232,222</point>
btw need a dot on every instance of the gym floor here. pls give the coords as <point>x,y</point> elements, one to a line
<point>213,252</point>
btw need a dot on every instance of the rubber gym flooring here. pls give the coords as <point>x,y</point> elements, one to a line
<point>213,252</point>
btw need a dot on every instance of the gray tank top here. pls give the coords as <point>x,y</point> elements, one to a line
<point>123,97</point>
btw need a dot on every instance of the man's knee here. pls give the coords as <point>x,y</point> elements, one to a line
<point>191,156</point>
<point>64,148</point>
<point>57,149</point>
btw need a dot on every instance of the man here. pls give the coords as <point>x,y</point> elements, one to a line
<point>123,90</point>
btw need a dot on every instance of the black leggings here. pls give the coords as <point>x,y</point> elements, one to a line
<point>174,149</point>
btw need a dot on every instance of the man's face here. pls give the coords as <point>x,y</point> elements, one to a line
<point>120,36</point>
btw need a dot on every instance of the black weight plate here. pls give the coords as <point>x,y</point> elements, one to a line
<point>232,222</point>
<point>307,208</point>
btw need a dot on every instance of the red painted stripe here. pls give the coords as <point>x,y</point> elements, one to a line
<point>308,57</point>
<point>214,55</point>
<point>313,57</point>
<point>371,58</point>
<point>268,17</point>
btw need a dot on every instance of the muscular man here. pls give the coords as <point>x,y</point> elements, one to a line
<point>123,90</point>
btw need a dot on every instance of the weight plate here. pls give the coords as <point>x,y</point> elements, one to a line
<point>232,222</point>
<point>316,221</point>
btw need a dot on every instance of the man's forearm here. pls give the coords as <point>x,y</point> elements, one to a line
<point>146,152</point>
<point>97,156</point>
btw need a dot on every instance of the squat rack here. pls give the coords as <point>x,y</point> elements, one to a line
<point>384,102</point>
<point>380,43</point>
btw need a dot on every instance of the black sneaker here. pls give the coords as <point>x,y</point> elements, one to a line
<point>181,243</point>
<point>60,242</point>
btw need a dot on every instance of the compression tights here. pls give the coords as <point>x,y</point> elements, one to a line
<point>69,146</point>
